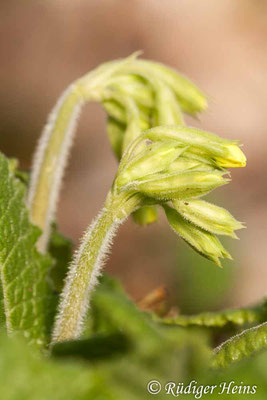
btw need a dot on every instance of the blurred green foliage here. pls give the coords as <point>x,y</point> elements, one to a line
<point>124,352</point>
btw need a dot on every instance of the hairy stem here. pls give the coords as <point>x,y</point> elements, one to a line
<point>52,151</point>
<point>50,160</point>
<point>86,267</point>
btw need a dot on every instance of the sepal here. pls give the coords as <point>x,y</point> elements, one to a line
<point>205,243</point>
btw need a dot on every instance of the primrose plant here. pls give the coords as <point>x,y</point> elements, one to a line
<point>162,163</point>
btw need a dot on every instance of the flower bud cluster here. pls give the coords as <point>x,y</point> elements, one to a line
<point>174,167</point>
<point>139,94</point>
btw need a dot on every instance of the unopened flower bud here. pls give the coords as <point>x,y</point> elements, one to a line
<point>133,86</point>
<point>187,164</point>
<point>145,215</point>
<point>115,110</point>
<point>234,157</point>
<point>120,108</point>
<point>183,185</point>
<point>167,110</point>
<point>208,216</point>
<point>202,241</point>
<point>224,153</point>
<point>191,99</point>
<point>115,132</point>
<point>155,158</point>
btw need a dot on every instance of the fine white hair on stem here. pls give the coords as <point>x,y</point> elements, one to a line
<point>53,148</point>
<point>61,162</point>
<point>83,275</point>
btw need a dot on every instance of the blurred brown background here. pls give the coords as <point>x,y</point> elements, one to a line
<point>222,47</point>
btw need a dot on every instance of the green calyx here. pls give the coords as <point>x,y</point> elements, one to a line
<point>221,152</point>
<point>139,94</point>
<point>181,185</point>
<point>174,167</point>
<point>154,158</point>
<point>202,241</point>
<point>208,216</point>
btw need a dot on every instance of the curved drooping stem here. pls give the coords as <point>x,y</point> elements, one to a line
<point>156,102</point>
<point>50,160</point>
<point>87,265</point>
<point>52,151</point>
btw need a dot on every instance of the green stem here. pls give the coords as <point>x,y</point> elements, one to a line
<point>50,160</point>
<point>86,267</point>
<point>55,142</point>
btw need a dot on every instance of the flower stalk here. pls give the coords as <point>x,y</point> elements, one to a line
<point>52,152</point>
<point>50,159</point>
<point>87,265</point>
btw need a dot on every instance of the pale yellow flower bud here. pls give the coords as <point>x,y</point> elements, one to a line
<point>208,216</point>
<point>145,215</point>
<point>167,110</point>
<point>183,185</point>
<point>223,153</point>
<point>187,164</point>
<point>155,158</point>
<point>202,241</point>
<point>234,157</point>
<point>115,132</point>
<point>133,86</point>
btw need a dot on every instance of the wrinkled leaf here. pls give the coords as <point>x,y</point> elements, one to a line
<point>240,346</point>
<point>23,270</point>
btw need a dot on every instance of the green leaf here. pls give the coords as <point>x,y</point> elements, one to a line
<point>240,346</point>
<point>109,297</point>
<point>27,376</point>
<point>215,319</point>
<point>119,360</point>
<point>23,270</point>
<point>156,351</point>
<point>95,348</point>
